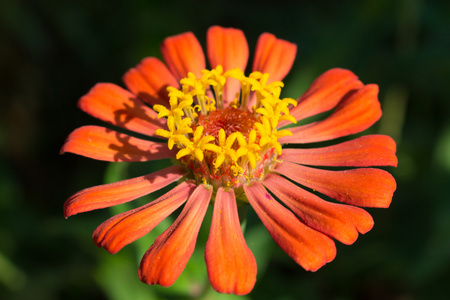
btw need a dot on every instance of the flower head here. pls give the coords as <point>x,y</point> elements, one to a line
<point>225,129</point>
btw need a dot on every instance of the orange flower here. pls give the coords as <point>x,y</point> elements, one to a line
<point>224,128</point>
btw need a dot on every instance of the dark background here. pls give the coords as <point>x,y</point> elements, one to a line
<point>52,52</point>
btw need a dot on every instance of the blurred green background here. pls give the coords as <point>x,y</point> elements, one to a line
<point>52,52</point>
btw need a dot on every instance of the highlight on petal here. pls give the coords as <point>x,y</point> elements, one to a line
<point>108,195</point>
<point>112,104</point>
<point>325,93</point>
<point>362,187</point>
<point>101,143</point>
<point>125,228</point>
<point>308,247</point>
<point>230,263</point>
<point>342,222</point>
<point>149,81</point>
<point>183,54</point>
<point>365,151</point>
<point>169,254</point>
<point>227,47</point>
<point>357,112</point>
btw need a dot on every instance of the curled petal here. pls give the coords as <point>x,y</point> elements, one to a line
<point>149,81</point>
<point>112,104</point>
<point>362,187</point>
<point>105,144</point>
<point>169,254</point>
<point>325,93</point>
<point>125,228</point>
<point>230,263</point>
<point>365,151</point>
<point>183,54</point>
<point>308,247</point>
<point>227,47</point>
<point>354,114</point>
<point>108,195</point>
<point>342,222</point>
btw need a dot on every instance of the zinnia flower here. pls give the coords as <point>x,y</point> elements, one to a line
<point>225,131</point>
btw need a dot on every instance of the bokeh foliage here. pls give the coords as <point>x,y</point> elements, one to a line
<point>52,52</point>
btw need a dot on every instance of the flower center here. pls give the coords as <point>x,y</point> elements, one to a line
<point>225,146</point>
<point>229,119</point>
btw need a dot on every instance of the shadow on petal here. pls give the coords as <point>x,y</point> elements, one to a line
<point>112,104</point>
<point>108,145</point>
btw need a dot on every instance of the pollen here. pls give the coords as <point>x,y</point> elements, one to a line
<point>225,146</point>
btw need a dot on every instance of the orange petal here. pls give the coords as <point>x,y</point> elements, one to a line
<point>342,222</point>
<point>273,56</point>
<point>227,47</point>
<point>149,81</point>
<point>354,114</point>
<point>325,93</point>
<point>105,144</point>
<point>183,54</point>
<point>125,228</point>
<point>309,248</point>
<point>120,192</point>
<point>230,263</point>
<point>112,104</point>
<point>365,151</point>
<point>169,254</point>
<point>362,187</point>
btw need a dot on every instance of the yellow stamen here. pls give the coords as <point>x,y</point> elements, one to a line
<point>199,144</point>
<point>225,156</point>
<point>176,133</point>
<point>226,152</point>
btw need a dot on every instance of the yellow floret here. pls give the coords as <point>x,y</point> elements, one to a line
<point>198,145</point>
<point>226,151</point>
